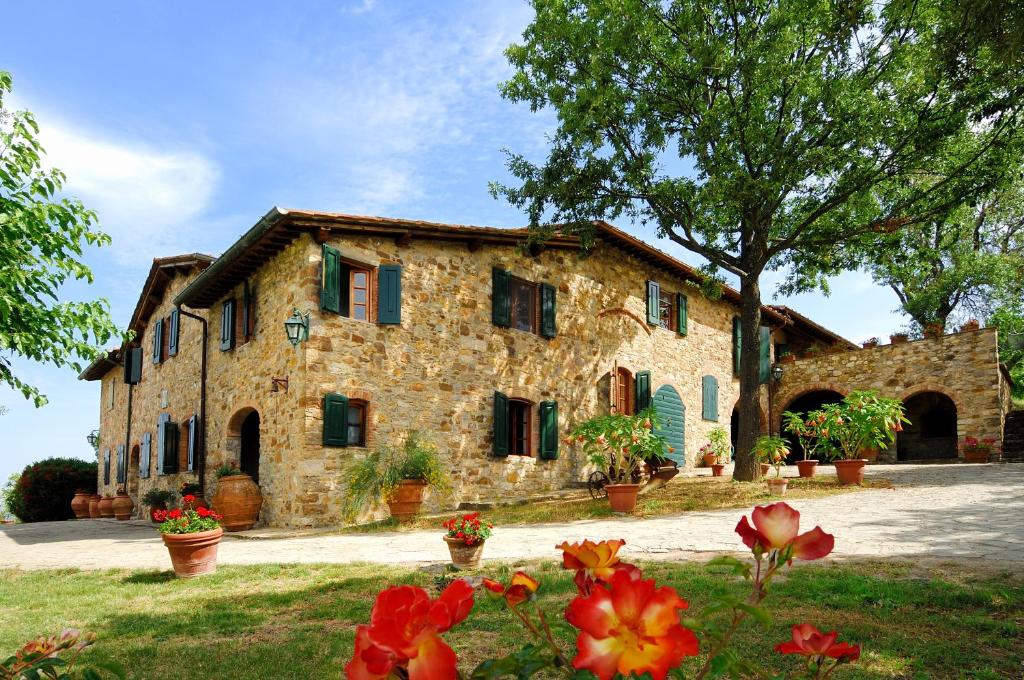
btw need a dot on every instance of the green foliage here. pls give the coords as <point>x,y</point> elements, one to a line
<point>718,439</point>
<point>226,470</point>
<point>7,497</point>
<point>807,430</point>
<point>1009,319</point>
<point>158,497</point>
<point>862,420</point>
<point>42,238</point>
<point>44,489</point>
<point>375,477</point>
<point>772,450</point>
<point>620,443</point>
<point>192,521</point>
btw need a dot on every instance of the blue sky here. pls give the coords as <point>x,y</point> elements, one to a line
<point>182,123</point>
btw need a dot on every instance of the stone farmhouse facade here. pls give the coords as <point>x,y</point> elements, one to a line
<point>492,347</point>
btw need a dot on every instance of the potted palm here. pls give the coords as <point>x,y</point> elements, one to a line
<point>806,430</point>
<point>862,420</point>
<point>620,444</point>
<point>157,499</point>
<point>773,451</point>
<point>465,536</point>
<point>398,476</point>
<point>191,537</point>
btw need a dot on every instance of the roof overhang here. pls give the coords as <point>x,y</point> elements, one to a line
<point>101,365</point>
<point>159,277</point>
<point>805,325</point>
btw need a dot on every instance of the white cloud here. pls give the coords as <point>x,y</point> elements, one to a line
<point>363,7</point>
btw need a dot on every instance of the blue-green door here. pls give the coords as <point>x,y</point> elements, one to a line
<point>671,421</point>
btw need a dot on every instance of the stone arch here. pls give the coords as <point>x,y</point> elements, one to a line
<point>621,311</point>
<point>933,387</point>
<point>786,398</point>
<point>933,430</point>
<point>242,440</point>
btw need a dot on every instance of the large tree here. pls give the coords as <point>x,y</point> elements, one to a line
<point>42,238</point>
<point>755,132</point>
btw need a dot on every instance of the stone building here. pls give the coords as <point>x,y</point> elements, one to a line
<point>492,347</point>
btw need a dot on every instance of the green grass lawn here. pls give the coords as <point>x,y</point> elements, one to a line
<point>297,621</point>
<point>682,494</point>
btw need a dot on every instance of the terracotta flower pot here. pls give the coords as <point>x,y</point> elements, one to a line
<point>787,358</point>
<point>622,497</point>
<point>717,469</point>
<point>406,499</point>
<point>107,508</point>
<point>850,471</point>
<point>976,456</point>
<point>94,506</point>
<point>807,468</point>
<point>153,509</point>
<point>777,486</point>
<point>238,500</point>
<point>709,459</point>
<point>898,338</point>
<point>869,454</point>
<point>123,507</point>
<point>765,469</point>
<point>193,554</point>
<point>464,556</point>
<point>80,505</point>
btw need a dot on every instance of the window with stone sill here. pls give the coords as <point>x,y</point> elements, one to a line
<point>519,427</point>
<point>356,423</point>
<point>667,310</point>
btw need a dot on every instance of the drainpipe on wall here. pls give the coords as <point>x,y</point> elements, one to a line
<point>202,400</point>
<point>127,441</point>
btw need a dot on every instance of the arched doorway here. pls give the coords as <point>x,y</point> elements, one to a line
<point>671,413</point>
<point>932,431</point>
<point>806,402</point>
<point>249,458</point>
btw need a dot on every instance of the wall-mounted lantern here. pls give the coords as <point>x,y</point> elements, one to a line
<point>777,372</point>
<point>297,327</point>
<point>94,440</point>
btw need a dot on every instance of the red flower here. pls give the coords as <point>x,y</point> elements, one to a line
<point>174,514</point>
<point>776,528</point>
<point>810,642</point>
<point>520,589</point>
<point>160,515</point>
<point>188,498</point>
<point>631,627</point>
<point>203,512</point>
<point>404,633</point>
<point>594,562</point>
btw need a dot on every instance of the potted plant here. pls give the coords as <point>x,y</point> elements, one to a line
<point>807,433</point>
<point>773,451</point>
<point>123,506</point>
<point>191,489</point>
<point>238,499</point>
<point>976,451</point>
<point>707,455</point>
<point>898,338</point>
<point>862,420</point>
<point>718,446</point>
<point>970,325</point>
<point>869,343</point>
<point>157,499</point>
<point>106,506</point>
<point>619,445</point>
<point>398,476</point>
<point>934,329</point>
<point>786,357</point>
<point>191,536</point>
<point>465,537</point>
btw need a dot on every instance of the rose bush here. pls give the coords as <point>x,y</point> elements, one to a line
<point>626,625</point>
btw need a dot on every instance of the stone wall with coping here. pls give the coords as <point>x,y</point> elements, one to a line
<point>963,366</point>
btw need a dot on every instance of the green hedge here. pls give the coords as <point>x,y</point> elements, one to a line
<point>45,489</point>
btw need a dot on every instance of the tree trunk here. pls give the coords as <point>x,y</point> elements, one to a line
<point>749,406</point>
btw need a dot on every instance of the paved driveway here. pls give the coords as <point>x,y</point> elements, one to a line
<point>964,511</point>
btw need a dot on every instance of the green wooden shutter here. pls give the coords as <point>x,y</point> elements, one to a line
<point>133,365</point>
<point>547,310</point>
<point>169,444</point>
<point>500,424</point>
<point>643,390</point>
<point>710,398</point>
<point>330,280</point>
<point>737,344</point>
<point>193,439</point>
<point>144,453</point>
<point>122,467</point>
<point>501,299</point>
<point>227,325</point>
<point>172,333</point>
<point>335,420</point>
<point>161,419</point>
<point>158,340</point>
<point>765,355</point>
<point>389,294</point>
<point>549,430</point>
<point>653,302</point>
<point>106,466</point>
<point>681,314</point>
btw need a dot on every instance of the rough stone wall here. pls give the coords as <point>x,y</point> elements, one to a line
<point>963,366</point>
<point>171,386</point>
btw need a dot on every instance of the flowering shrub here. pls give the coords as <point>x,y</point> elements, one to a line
<point>808,432</point>
<point>620,444</point>
<point>717,445</point>
<point>772,450</point>
<point>626,625</point>
<point>41,658</point>
<point>43,491</point>
<point>468,528</point>
<point>862,420</point>
<point>188,521</point>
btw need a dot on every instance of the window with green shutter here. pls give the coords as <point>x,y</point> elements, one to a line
<point>227,325</point>
<point>501,431</point>
<point>173,321</point>
<point>330,280</point>
<point>643,390</point>
<point>145,450</point>
<point>737,344</point>
<point>547,310</point>
<point>335,420</point>
<point>548,430</point>
<point>653,302</point>
<point>765,355</point>
<point>158,341</point>
<point>169,442</point>
<point>133,366</point>
<point>681,314</point>
<point>501,298</point>
<point>122,465</point>
<point>709,390</point>
<point>389,294</point>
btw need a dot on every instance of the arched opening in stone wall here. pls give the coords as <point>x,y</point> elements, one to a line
<point>133,473</point>
<point>734,424</point>
<point>932,431</point>
<point>803,404</point>
<point>243,441</point>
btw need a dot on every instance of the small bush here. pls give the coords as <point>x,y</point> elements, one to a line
<point>45,489</point>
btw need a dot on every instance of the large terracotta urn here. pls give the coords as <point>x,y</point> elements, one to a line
<point>193,554</point>
<point>107,507</point>
<point>94,506</point>
<point>238,500</point>
<point>123,506</point>
<point>80,504</point>
<point>406,499</point>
